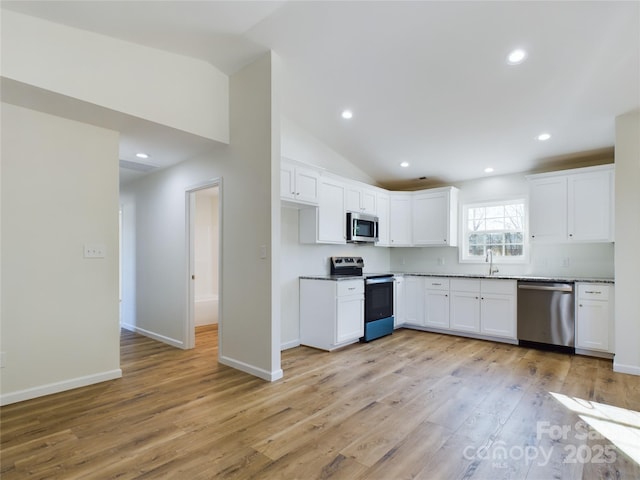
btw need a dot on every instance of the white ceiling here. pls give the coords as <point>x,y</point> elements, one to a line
<point>427,81</point>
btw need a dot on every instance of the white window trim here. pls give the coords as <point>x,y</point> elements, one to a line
<point>464,241</point>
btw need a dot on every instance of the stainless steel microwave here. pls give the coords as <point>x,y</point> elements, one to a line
<point>361,228</point>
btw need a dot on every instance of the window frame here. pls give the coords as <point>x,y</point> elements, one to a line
<point>463,250</point>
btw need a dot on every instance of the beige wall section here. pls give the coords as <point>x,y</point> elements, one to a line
<point>180,92</point>
<point>627,255</point>
<point>157,203</point>
<point>59,313</point>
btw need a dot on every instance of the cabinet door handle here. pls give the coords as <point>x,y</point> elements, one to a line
<point>580,305</point>
<point>352,288</point>
<point>593,292</point>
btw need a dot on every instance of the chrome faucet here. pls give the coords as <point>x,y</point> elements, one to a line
<point>489,258</point>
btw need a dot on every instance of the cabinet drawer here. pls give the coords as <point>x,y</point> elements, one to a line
<point>593,291</point>
<point>436,283</point>
<point>465,285</point>
<point>350,287</point>
<point>501,287</point>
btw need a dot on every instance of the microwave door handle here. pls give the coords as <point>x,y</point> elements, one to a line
<point>354,227</point>
<point>376,226</point>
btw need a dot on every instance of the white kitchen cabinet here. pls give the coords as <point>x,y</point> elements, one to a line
<point>400,219</point>
<point>436,302</point>
<point>414,300</point>
<point>498,308</point>
<point>299,184</point>
<point>326,223</point>
<point>465,305</point>
<point>399,316</point>
<point>547,209</point>
<point>590,206</point>
<point>572,206</point>
<point>331,312</point>
<point>594,319</point>
<point>435,217</point>
<point>360,199</point>
<point>486,306</point>
<point>382,205</point>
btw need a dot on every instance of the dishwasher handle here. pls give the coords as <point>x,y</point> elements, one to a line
<point>547,287</point>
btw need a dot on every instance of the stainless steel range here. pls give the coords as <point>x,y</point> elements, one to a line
<point>378,296</point>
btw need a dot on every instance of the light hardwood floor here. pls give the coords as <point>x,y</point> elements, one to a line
<point>411,405</point>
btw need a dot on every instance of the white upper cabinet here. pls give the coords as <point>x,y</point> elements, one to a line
<point>590,206</point>
<point>361,199</point>
<point>327,222</point>
<point>435,217</point>
<point>573,206</point>
<point>400,219</point>
<point>547,209</point>
<point>382,204</point>
<point>299,184</point>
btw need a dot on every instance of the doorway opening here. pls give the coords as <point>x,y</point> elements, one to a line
<point>204,207</point>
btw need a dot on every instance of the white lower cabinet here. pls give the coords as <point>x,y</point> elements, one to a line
<point>398,301</point>
<point>331,312</point>
<point>465,305</point>
<point>479,307</point>
<point>498,308</point>
<point>436,302</point>
<point>414,300</point>
<point>594,322</point>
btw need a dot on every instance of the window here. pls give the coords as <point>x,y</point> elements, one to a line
<point>496,226</point>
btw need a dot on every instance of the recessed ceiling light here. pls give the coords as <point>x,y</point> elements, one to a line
<point>516,56</point>
<point>142,155</point>
<point>488,170</point>
<point>404,164</point>
<point>544,136</point>
<point>347,114</point>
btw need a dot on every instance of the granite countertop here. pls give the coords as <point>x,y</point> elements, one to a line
<point>534,278</point>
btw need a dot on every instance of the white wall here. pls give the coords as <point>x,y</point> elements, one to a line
<point>300,145</point>
<point>181,92</point>
<point>246,322</point>
<point>585,260</point>
<point>627,260</point>
<point>59,310</point>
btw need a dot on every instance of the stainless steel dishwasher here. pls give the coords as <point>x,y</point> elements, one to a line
<point>546,315</point>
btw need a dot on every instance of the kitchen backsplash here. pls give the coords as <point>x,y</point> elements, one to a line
<point>580,260</point>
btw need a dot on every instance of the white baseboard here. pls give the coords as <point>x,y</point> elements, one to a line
<point>56,387</point>
<point>252,370</point>
<point>156,336</point>
<point>630,369</point>
<point>291,344</point>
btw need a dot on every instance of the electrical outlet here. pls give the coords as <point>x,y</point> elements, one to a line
<point>2,359</point>
<point>94,250</point>
<point>440,260</point>
<point>566,262</point>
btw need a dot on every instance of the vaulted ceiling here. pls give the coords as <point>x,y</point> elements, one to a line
<point>428,82</point>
